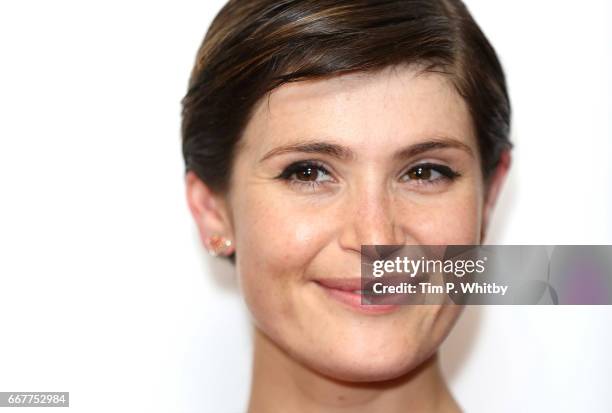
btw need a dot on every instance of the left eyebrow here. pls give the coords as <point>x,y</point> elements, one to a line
<point>438,143</point>
<point>344,153</point>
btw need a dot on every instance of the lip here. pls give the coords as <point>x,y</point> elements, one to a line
<point>341,290</point>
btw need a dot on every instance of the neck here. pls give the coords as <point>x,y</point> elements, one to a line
<point>279,381</point>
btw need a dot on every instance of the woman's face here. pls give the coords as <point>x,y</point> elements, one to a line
<point>325,166</point>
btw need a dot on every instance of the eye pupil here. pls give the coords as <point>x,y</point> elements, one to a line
<point>420,173</point>
<point>308,173</point>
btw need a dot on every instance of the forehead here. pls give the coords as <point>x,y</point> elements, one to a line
<point>370,112</point>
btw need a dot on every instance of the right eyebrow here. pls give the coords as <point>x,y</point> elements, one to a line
<point>327,148</point>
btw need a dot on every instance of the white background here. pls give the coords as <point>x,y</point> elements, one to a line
<point>105,291</point>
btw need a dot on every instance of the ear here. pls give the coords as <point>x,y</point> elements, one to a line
<point>210,211</point>
<point>493,190</point>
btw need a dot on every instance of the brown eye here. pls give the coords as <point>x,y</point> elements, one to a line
<point>420,173</point>
<point>430,173</point>
<point>307,173</point>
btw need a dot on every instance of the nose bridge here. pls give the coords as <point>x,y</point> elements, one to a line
<point>373,217</point>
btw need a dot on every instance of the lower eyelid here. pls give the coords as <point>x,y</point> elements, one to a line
<point>305,187</point>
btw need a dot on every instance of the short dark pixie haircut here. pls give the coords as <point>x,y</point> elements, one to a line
<point>254,46</point>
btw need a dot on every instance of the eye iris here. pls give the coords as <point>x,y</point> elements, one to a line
<point>307,174</point>
<point>420,173</point>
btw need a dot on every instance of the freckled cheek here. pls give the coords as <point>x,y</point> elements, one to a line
<point>264,263</point>
<point>453,220</point>
<point>280,235</point>
<point>279,244</point>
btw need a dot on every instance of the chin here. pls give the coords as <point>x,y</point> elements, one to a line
<point>360,361</point>
<point>354,368</point>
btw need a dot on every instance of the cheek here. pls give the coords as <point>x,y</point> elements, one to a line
<point>454,218</point>
<point>275,244</point>
<point>282,233</point>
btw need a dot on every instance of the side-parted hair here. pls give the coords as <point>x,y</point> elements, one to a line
<point>254,46</point>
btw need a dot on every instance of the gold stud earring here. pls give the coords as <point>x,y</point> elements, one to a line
<point>218,245</point>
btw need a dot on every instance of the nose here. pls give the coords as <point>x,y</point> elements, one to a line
<point>371,225</point>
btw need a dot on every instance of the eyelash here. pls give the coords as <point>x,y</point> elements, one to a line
<point>446,173</point>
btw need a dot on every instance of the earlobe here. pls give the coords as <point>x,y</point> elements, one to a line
<point>210,218</point>
<point>494,188</point>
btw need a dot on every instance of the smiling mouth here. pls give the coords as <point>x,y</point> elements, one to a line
<point>358,293</point>
<point>350,292</point>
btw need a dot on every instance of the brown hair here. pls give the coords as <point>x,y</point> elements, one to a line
<point>254,46</point>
